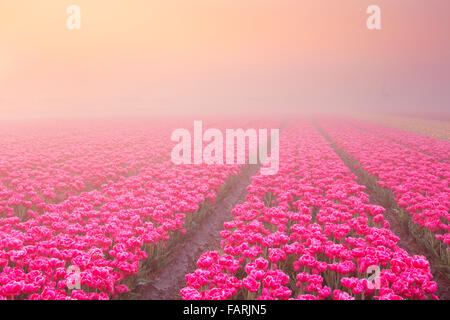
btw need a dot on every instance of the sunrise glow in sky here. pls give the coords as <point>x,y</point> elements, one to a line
<point>188,56</point>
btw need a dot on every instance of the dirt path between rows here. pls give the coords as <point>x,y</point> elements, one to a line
<point>167,282</point>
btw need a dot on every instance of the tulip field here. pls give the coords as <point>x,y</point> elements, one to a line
<point>96,209</point>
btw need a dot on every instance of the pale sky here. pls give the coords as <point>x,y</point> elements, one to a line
<point>187,56</point>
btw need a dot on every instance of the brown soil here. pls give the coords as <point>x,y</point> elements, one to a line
<point>165,284</point>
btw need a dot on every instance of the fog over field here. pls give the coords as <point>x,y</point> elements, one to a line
<point>181,57</point>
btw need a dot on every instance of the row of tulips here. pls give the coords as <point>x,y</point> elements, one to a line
<point>107,236</point>
<point>436,149</point>
<point>309,232</point>
<point>415,183</point>
<point>46,163</point>
<point>99,243</point>
<point>427,127</point>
